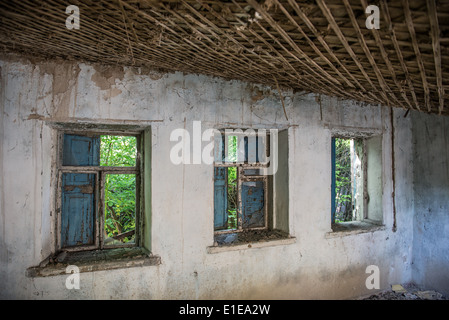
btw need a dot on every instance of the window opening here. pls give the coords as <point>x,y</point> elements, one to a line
<point>119,208</point>
<point>347,173</point>
<point>356,180</point>
<point>99,193</point>
<point>240,201</point>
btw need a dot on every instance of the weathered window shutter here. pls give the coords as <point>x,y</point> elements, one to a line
<point>333,181</point>
<point>220,198</point>
<point>253,204</point>
<point>78,191</point>
<point>78,209</point>
<point>252,149</point>
<point>246,157</point>
<point>81,150</point>
<point>219,148</point>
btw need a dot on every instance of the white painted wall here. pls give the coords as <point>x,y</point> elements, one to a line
<point>431,187</point>
<point>314,267</point>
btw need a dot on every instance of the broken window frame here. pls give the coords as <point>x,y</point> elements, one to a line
<point>241,177</point>
<point>100,173</point>
<point>363,138</point>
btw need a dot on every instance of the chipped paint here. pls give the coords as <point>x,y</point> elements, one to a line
<point>105,76</point>
<point>181,221</point>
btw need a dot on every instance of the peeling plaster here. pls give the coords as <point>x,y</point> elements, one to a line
<point>105,76</point>
<point>82,95</point>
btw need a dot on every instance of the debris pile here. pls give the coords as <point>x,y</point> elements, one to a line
<point>407,292</point>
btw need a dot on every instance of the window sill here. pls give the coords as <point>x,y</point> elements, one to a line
<point>95,260</point>
<point>355,227</point>
<point>249,239</point>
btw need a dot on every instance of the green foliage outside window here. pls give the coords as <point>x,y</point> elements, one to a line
<point>232,184</point>
<point>343,191</point>
<point>120,189</point>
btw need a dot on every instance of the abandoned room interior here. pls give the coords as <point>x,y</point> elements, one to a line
<point>239,149</point>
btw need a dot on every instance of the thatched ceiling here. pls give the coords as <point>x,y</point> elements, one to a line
<point>320,46</point>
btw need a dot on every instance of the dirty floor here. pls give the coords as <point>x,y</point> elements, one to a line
<point>407,292</point>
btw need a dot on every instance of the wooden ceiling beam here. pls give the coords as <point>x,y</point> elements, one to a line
<point>182,39</point>
<point>299,78</point>
<point>217,31</point>
<point>320,46</point>
<point>386,60</point>
<point>435,34</point>
<point>329,81</point>
<point>348,48</point>
<point>315,32</point>
<point>386,14</point>
<point>379,76</point>
<point>422,70</point>
<point>312,44</point>
<point>322,73</point>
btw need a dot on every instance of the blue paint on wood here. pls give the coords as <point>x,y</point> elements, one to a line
<point>78,191</point>
<point>219,151</point>
<point>220,198</point>
<point>81,150</point>
<point>252,149</point>
<point>257,149</point>
<point>333,181</point>
<point>253,204</point>
<point>246,156</point>
<point>78,209</point>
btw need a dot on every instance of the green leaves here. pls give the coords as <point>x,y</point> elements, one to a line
<point>120,189</point>
<point>232,197</point>
<point>232,148</point>
<point>118,151</point>
<point>120,203</point>
<point>343,183</point>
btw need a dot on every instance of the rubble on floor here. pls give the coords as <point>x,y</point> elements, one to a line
<point>407,292</point>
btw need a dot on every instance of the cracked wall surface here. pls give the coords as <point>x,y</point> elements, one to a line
<point>36,95</point>
<point>431,188</point>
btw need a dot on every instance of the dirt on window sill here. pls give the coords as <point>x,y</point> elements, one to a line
<point>249,239</point>
<point>249,236</point>
<point>94,260</point>
<point>354,227</point>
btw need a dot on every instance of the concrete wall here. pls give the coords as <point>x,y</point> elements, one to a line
<point>374,172</point>
<point>431,186</point>
<point>280,188</point>
<point>318,265</point>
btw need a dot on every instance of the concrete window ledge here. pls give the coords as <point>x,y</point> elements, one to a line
<point>96,260</point>
<point>354,227</point>
<point>259,244</point>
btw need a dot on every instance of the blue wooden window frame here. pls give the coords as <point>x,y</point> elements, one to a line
<point>333,181</point>
<point>252,211</point>
<point>220,198</point>
<point>81,191</point>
